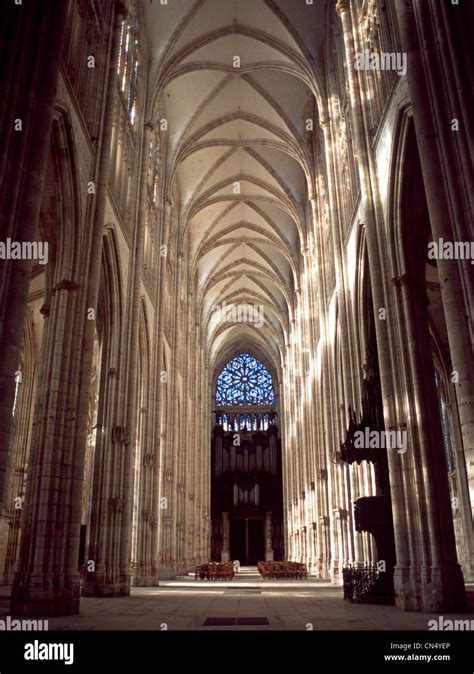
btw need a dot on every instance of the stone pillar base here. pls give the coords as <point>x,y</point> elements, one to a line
<point>443,589</point>
<point>168,573</point>
<point>269,555</point>
<point>430,589</point>
<point>322,568</point>
<point>225,556</point>
<point>99,587</point>
<point>407,584</point>
<point>146,581</point>
<point>40,596</point>
<point>183,569</point>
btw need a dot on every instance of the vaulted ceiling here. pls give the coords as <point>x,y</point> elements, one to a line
<point>237,81</point>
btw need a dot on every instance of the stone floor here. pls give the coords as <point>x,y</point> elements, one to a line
<point>185,604</point>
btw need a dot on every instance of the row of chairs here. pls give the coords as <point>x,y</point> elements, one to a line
<point>282,570</point>
<point>215,571</point>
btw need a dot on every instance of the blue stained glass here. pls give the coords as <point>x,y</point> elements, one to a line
<point>245,381</point>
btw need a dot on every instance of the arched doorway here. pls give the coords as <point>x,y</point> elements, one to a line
<point>246,467</point>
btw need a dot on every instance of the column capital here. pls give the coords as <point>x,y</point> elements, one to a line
<point>324,121</point>
<point>342,6</point>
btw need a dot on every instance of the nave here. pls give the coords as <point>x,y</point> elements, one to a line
<point>244,338</point>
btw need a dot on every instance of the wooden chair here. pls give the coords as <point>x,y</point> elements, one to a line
<point>213,567</point>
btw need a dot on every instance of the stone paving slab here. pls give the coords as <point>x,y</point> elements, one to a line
<point>286,606</point>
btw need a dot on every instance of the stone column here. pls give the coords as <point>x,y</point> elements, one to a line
<point>445,583</point>
<point>35,33</point>
<point>225,552</point>
<point>10,519</point>
<point>441,575</point>
<point>405,583</point>
<point>447,210</point>
<point>173,425</point>
<point>285,461</point>
<point>179,414</point>
<point>268,537</point>
<point>112,576</point>
<point>326,444</point>
<point>132,403</point>
<point>163,482</point>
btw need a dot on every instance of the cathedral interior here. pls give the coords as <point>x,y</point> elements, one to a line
<point>236,320</point>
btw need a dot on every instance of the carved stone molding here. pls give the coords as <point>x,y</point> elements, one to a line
<point>120,434</point>
<point>403,280</point>
<point>149,459</point>
<point>65,284</point>
<point>341,514</point>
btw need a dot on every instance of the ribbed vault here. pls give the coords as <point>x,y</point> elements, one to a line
<point>237,83</point>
